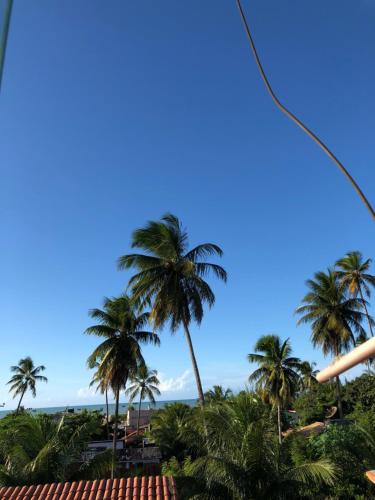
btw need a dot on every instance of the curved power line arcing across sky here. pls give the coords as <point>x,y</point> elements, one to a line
<point>296,120</point>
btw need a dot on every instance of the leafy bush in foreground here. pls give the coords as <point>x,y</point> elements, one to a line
<point>353,452</point>
<point>40,449</point>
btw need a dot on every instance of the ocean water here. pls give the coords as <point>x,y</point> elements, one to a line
<point>123,407</point>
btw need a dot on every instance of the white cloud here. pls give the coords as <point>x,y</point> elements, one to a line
<point>86,393</point>
<point>175,384</point>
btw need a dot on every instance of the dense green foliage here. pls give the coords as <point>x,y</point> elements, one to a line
<point>232,451</point>
<point>313,405</point>
<point>167,429</point>
<point>227,450</point>
<point>353,452</point>
<point>359,402</point>
<point>360,394</point>
<point>43,448</point>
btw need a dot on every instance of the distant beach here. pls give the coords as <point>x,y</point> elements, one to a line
<point>102,408</point>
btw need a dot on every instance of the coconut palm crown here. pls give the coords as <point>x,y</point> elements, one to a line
<point>123,330</point>
<point>119,355</point>
<point>335,318</point>
<point>218,393</point>
<point>308,373</point>
<point>171,278</point>
<point>144,385</point>
<point>353,274</point>
<point>25,377</point>
<point>278,374</point>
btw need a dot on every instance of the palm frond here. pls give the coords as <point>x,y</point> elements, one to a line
<point>101,331</point>
<point>317,473</point>
<point>202,251</point>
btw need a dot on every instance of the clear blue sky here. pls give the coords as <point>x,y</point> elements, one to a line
<point>115,112</point>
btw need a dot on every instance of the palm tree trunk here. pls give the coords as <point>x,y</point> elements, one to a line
<point>297,121</point>
<point>114,449</point>
<point>107,410</point>
<point>139,411</point>
<point>195,365</point>
<point>20,401</point>
<point>338,385</point>
<point>279,421</point>
<point>367,314</point>
<point>338,393</point>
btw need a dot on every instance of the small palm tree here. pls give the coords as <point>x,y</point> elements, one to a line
<point>277,376</point>
<point>167,425</point>
<point>122,329</point>
<point>25,377</point>
<point>308,373</point>
<point>334,318</point>
<point>101,385</point>
<point>353,273</point>
<point>172,278</point>
<point>218,393</point>
<point>145,384</point>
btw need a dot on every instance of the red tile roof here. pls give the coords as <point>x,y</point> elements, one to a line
<point>137,488</point>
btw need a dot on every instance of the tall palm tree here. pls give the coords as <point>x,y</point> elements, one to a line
<point>277,376</point>
<point>353,273</point>
<point>172,278</point>
<point>102,385</point>
<point>308,373</point>
<point>218,393</point>
<point>144,384</point>
<point>334,318</point>
<point>25,377</point>
<point>122,329</point>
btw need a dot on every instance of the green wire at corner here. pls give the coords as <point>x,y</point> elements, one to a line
<point>4,35</point>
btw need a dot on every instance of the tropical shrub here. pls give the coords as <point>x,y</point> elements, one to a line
<point>360,393</point>
<point>167,425</point>
<point>312,405</point>
<point>238,456</point>
<point>41,449</point>
<point>352,451</point>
